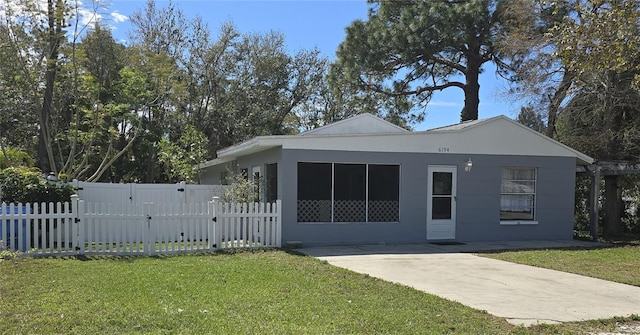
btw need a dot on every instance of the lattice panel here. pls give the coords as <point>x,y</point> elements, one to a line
<point>384,211</point>
<point>350,211</point>
<point>314,210</point>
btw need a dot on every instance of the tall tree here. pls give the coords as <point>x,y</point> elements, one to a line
<point>539,75</point>
<point>53,37</point>
<point>415,48</point>
<point>244,85</point>
<point>36,31</point>
<point>600,35</point>
<point>602,120</point>
<point>160,39</point>
<point>97,107</point>
<point>600,42</point>
<point>18,117</point>
<point>530,118</point>
<point>180,159</point>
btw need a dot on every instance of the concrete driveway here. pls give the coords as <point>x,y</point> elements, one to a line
<point>522,294</point>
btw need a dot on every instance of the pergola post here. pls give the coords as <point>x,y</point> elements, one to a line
<point>595,208</point>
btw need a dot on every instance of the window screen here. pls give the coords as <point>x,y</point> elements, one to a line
<point>384,193</point>
<point>349,193</point>
<point>314,192</point>
<point>335,192</point>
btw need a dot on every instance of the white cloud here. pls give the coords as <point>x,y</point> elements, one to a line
<point>87,17</point>
<point>118,18</point>
<point>13,10</point>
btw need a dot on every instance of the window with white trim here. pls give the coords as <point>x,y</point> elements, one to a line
<point>335,192</point>
<point>518,194</point>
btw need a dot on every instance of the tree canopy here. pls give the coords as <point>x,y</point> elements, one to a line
<point>407,50</point>
<point>88,107</point>
<point>600,35</point>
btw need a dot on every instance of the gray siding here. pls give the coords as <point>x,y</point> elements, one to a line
<point>211,175</point>
<point>478,198</point>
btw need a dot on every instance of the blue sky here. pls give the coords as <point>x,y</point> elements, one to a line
<point>308,24</point>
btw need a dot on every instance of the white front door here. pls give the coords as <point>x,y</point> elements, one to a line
<point>441,202</point>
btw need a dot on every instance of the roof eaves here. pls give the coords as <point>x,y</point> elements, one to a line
<point>251,145</point>
<point>213,162</point>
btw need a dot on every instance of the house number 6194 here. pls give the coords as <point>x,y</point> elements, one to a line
<point>443,149</point>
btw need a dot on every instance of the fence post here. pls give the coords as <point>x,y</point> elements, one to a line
<point>76,185</point>
<point>77,207</point>
<point>149,238</point>
<point>215,225</point>
<point>182,194</point>
<point>279,223</point>
<point>214,232</point>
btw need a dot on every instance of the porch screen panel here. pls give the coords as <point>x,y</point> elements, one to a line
<point>314,192</point>
<point>384,193</point>
<point>350,182</point>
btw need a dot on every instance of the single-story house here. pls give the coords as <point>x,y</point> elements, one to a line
<point>363,180</point>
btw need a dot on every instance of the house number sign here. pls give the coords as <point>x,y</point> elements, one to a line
<point>443,149</point>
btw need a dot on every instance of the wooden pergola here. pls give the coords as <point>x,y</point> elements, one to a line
<point>597,171</point>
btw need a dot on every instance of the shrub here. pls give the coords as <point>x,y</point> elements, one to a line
<point>241,189</point>
<point>10,157</point>
<point>27,185</point>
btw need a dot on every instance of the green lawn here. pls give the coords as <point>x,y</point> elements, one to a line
<point>619,264</point>
<point>262,292</point>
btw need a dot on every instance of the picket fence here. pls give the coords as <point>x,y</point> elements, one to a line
<point>85,228</point>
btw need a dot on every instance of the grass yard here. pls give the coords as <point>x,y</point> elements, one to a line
<point>619,264</point>
<point>247,292</point>
<point>264,292</point>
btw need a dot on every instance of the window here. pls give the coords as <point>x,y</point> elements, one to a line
<point>271,182</point>
<point>224,178</point>
<point>333,192</point>
<point>517,194</point>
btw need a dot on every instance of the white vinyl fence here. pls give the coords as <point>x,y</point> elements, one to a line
<point>84,228</point>
<point>123,195</point>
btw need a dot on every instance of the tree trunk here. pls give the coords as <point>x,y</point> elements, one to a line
<point>554,104</point>
<point>613,207</point>
<point>471,89</point>
<point>54,33</point>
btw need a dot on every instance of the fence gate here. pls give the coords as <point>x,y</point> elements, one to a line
<point>147,229</point>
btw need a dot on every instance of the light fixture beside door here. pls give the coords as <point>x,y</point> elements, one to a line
<point>468,165</point>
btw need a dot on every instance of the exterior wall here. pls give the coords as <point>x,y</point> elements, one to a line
<point>478,198</point>
<point>211,175</point>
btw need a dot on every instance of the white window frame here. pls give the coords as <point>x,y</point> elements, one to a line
<point>516,222</point>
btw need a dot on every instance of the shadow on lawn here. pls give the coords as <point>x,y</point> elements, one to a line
<point>133,258</point>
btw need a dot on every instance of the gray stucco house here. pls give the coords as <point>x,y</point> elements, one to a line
<point>364,180</point>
